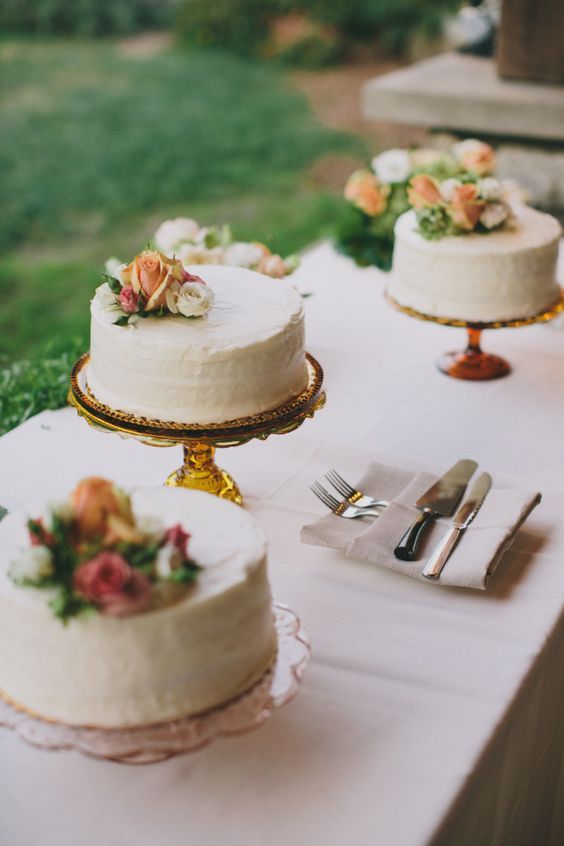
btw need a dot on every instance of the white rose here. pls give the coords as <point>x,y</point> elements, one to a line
<point>172,233</point>
<point>489,188</point>
<point>168,559</point>
<point>34,563</point>
<point>448,187</point>
<point>242,254</point>
<point>109,306</point>
<point>198,254</point>
<point>191,299</point>
<point>112,265</point>
<point>494,215</point>
<point>392,166</point>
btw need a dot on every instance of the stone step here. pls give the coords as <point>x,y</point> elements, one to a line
<point>464,93</point>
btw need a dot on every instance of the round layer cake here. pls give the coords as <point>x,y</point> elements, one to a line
<point>244,357</point>
<point>180,659</point>
<point>501,275</point>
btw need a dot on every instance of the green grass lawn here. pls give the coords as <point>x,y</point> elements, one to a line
<point>98,146</point>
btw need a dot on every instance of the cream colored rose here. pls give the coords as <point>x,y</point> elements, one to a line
<point>34,563</point>
<point>190,299</point>
<point>172,233</point>
<point>150,274</point>
<point>494,214</point>
<point>489,188</point>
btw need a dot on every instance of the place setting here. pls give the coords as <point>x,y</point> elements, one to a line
<point>452,530</point>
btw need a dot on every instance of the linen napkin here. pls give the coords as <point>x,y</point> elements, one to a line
<point>473,560</point>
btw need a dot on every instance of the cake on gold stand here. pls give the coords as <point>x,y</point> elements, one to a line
<point>473,363</point>
<point>199,471</point>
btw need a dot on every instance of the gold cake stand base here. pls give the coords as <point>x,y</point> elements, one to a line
<point>473,363</point>
<point>199,470</point>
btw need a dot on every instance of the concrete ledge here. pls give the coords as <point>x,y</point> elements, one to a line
<point>464,93</point>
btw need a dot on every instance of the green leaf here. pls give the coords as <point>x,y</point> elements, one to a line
<point>113,284</point>
<point>185,574</point>
<point>123,320</point>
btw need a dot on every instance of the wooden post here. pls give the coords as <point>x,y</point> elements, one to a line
<point>531,40</point>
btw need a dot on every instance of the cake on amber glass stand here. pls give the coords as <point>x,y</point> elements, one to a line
<point>463,257</point>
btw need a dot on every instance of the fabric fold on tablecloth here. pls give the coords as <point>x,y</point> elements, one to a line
<point>473,560</point>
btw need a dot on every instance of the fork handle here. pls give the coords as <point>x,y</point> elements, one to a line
<point>406,550</point>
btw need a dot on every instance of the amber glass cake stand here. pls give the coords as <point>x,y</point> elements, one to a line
<point>473,363</point>
<point>199,471</point>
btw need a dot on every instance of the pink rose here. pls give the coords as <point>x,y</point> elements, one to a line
<point>109,582</point>
<point>129,300</point>
<point>38,534</point>
<point>177,537</point>
<point>151,273</point>
<point>476,156</point>
<point>465,209</point>
<point>191,277</point>
<point>272,265</point>
<point>424,191</point>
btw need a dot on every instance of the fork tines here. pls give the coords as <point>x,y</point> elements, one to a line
<point>325,497</point>
<point>339,484</point>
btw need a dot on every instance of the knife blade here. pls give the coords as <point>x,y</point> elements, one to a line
<point>460,523</point>
<point>439,501</point>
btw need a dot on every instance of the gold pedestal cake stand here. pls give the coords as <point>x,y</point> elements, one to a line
<point>199,471</point>
<point>473,363</point>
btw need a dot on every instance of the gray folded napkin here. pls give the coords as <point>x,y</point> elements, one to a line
<point>475,557</point>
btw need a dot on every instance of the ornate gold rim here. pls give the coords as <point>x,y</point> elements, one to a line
<point>541,317</point>
<point>280,420</point>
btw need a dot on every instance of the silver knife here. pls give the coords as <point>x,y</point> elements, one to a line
<point>460,522</point>
<point>439,501</point>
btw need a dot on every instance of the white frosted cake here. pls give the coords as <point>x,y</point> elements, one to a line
<point>119,665</point>
<point>500,275</point>
<point>245,356</point>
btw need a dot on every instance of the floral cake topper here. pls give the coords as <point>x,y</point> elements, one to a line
<point>92,554</point>
<point>429,180</point>
<point>152,285</point>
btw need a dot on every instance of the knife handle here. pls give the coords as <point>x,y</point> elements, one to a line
<point>406,549</point>
<point>441,553</point>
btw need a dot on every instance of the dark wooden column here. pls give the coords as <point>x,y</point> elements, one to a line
<point>531,40</point>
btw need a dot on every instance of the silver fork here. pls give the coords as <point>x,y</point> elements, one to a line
<point>341,509</point>
<point>354,496</point>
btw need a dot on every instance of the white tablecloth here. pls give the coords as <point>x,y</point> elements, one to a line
<point>427,714</point>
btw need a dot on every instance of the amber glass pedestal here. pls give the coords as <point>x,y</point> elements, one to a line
<point>199,470</point>
<point>473,363</point>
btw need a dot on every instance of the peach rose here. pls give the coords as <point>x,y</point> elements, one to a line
<point>151,273</point>
<point>465,208</point>
<point>476,156</point>
<point>109,582</point>
<point>424,191</point>
<point>99,509</point>
<point>365,192</point>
